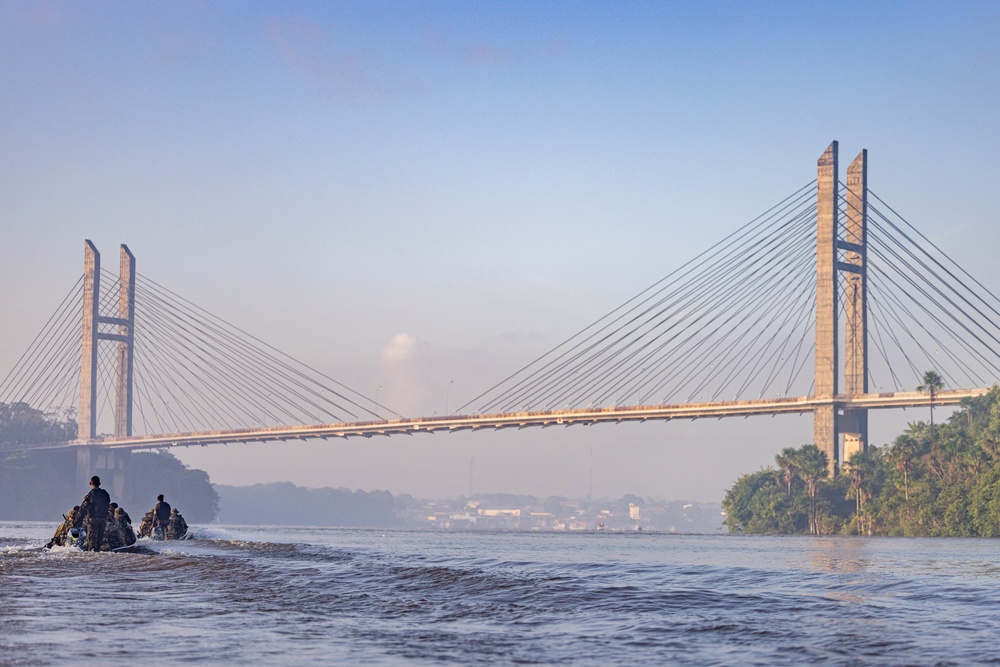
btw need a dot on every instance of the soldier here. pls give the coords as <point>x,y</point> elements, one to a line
<point>94,509</point>
<point>59,539</point>
<point>177,526</point>
<point>146,525</point>
<point>113,537</point>
<point>161,516</point>
<point>115,509</point>
<point>128,535</point>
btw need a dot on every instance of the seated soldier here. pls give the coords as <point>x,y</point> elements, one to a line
<point>128,535</point>
<point>113,537</point>
<point>116,509</point>
<point>146,526</point>
<point>59,539</point>
<point>176,526</point>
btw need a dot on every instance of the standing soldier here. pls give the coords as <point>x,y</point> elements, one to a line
<point>94,509</point>
<point>161,516</point>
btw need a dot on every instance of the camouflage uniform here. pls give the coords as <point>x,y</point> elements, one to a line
<point>94,508</point>
<point>146,526</point>
<point>122,515</point>
<point>113,537</point>
<point>59,539</point>
<point>176,526</point>
<point>128,535</point>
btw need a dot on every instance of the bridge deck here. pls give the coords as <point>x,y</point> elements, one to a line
<point>536,419</point>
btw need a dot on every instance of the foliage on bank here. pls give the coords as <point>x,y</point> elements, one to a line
<point>933,480</point>
<point>42,484</point>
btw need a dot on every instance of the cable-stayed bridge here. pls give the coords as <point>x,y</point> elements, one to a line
<point>830,303</point>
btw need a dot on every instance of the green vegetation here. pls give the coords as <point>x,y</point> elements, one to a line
<point>934,480</point>
<point>187,489</point>
<point>42,484</point>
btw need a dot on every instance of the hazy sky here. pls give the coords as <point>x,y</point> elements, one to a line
<point>424,196</point>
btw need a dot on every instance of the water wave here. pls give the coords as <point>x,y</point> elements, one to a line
<point>326,596</point>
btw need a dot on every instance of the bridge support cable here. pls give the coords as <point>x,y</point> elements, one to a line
<point>245,392</point>
<point>608,358</point>
<point>39,378</point>
<point>623,370</point>
<point>704,329</point>
<point>571,363</point>
<point>890,301</point>
<point>240,399</point>
<point>688,331</point>
<point>718,347</point>
<point>737,238</point>
<point>256,351</point>
<point>729,316</point>
<point>968,315</point>
<point>195,371</point>
<point>947,316</point>
<point>983,294</point>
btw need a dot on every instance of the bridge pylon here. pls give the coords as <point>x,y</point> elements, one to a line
<point>97,328</point>
<point>829,422</point>
<point>120,329</point>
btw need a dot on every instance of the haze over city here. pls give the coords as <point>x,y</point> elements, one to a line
<point>419,199</point>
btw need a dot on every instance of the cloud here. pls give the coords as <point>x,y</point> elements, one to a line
<point>310,52</point>
<point>41,14</point>
<point>401,348</point>
<point>485,53</point>
<point>482,53</point>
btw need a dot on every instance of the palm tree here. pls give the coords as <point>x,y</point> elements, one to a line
<point>932,384</point>
<point>788,461</point>
<point>812,469</point>
<point>863,468</point>
<point>904,450</point>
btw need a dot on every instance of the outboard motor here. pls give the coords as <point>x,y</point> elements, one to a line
<point>77,537</point>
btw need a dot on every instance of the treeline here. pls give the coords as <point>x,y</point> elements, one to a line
<point>41,485</point>
<point>933,480</point>
<point>284,503</point>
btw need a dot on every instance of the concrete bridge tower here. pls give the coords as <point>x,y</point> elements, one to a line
<point>91,460</point>
<point>829,423</point>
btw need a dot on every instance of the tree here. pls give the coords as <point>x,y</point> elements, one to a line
<point>863,468</point>
<point>787,461</point>
<point>187,489</point>
<point>813,469</point>
<point>755,504</point>
<point>22,424</point>
<point>932,383</point>
<point>903,453</point>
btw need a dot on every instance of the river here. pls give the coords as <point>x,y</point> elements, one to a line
<point>321,596</point>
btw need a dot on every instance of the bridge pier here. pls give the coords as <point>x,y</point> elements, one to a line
<point>108,464</point>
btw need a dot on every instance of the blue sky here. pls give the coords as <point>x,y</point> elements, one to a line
<point>472,181</point>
